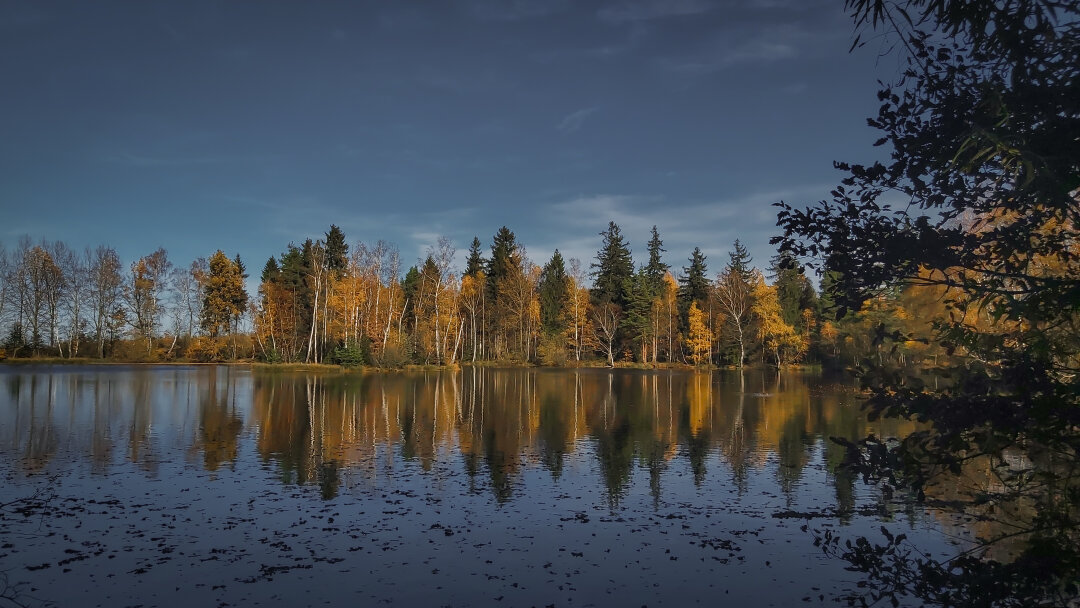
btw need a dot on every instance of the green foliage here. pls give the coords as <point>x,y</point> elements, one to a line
<point>552,350</point>
<point>693,284</point>
<point>553,292</point>
<point>656,268</point>
<point>337,250</point>
<point>349,355</point>
<point>224,296</point>
<point>637,324</point>
<point>505,261</point>
<point>475,262</point>
<point>739,262</point>
<point>793,290</point>
<point>613,269</point>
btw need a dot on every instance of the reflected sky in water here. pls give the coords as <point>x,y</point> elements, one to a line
<point>455,488</point>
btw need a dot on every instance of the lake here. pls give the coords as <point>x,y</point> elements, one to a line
<point>207,485</point>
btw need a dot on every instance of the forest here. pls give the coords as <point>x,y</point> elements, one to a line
<point>331,302</point>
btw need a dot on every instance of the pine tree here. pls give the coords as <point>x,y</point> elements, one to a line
<point>614,269</point>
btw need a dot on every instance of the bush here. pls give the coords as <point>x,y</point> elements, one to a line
<point>349,355</point>
<point>552,350</point>
<point>206,350</point>
<point>392,355</point>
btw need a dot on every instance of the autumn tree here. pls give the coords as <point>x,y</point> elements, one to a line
<point>145,292</point>
<point>606,317</point>
<point>699,338</point>
<point>224,297</point>
<point>503,267</point>
<point>733,295</point>
<point>105,291</point>
<point>777,337</point>
<point>580,333</point>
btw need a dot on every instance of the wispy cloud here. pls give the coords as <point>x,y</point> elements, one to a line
<point>137,160</point>
<point>516,10</point>
<point>574,121</point>
<point>711,225</point>
<point>646,10</point>
<point>765,45</point>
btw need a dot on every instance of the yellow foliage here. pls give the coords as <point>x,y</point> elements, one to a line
<point>700,339</point>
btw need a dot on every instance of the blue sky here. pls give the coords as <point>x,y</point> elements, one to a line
<point>244,126</point>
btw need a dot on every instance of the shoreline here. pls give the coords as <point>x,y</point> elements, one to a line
<point>334,368</point>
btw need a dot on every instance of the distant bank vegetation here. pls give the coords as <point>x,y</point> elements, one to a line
<point>328,302</point>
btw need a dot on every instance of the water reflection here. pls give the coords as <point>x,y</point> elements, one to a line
<point>493,424</point>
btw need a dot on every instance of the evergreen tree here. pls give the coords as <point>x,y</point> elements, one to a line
<point>505,260</point>
<point>410,289</point>
<point>638,324</point>
<point>475,262</point>
<point>793,290</point>
<point>656,268</point>
<point>271,272</point>
<point>695,285</point>
<point>553,291</point>
<point>337,249</point>
<point>740,262</point>
<point>614,269</point>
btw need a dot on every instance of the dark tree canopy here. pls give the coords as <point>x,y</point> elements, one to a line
<point>337,250</point>
<point>505,260</point>
<point>553,291</point>
<point>694,284</point>
<point>475,262</point>
<point>983,131</point>
<point>739,261</point>
<point>656,268</point>
<point>613,268</point>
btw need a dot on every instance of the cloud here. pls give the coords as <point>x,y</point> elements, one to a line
<point>515,10</point>
<point>574,225</point>
<point>646,10</point>
<point>765,45</point>
<point>136,160</point>
<point>574,121</point>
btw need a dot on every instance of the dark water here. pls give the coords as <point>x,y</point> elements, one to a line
<point>222,486</point>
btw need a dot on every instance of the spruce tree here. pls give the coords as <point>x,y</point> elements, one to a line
<point>271,272</point>
<point>740,262</point>
<point>475,262</point>
<point>553,292</point>
<point>336,249</point>
<point>656,268</point>
<point>694,285</point>
<point>614,268</point>
<point>504,260</point>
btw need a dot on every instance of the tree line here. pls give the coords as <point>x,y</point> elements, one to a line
<point>326,301</point>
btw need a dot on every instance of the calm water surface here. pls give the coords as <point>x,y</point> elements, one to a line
<point>222,486</point>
